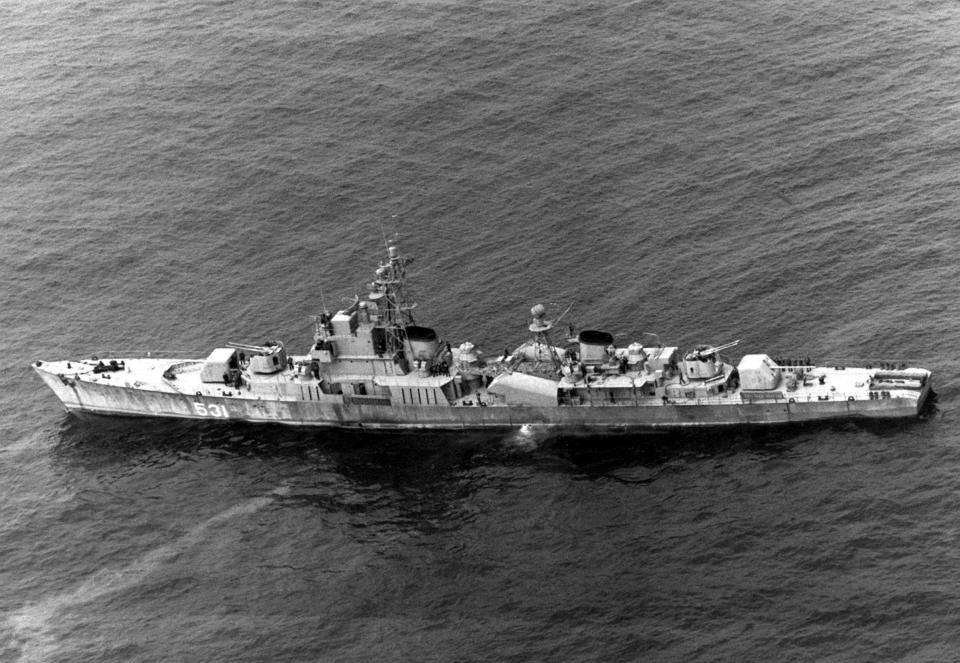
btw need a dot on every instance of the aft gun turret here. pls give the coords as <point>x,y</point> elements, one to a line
<point>704,362</point>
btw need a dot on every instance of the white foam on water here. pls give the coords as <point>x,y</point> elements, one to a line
<point>30,624</point>
<point>525,438</point>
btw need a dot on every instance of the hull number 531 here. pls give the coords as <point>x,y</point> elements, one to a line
<point>210,410</point>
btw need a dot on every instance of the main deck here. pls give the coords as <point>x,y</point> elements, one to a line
<point>138,387</point>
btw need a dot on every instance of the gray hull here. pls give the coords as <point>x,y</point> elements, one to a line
<point>108,399</point>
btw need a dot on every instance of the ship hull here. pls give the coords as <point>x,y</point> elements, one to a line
<point>116,399</point>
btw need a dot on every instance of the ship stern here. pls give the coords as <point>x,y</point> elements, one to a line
<point>927,397</point>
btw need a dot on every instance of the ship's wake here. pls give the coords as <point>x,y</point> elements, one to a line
<point>525,439</point>
<point>31,625</point>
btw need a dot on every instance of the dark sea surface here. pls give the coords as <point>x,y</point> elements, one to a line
<point>178,175</point>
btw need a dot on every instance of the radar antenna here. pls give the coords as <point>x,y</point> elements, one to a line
<point>541,327</point>
<point>388,290</point>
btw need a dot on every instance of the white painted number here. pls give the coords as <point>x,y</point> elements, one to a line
<point>211,410</point>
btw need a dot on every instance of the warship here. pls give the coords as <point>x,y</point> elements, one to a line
<point>371,365</point>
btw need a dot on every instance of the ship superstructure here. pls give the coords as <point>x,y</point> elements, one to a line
<point>371,365</point>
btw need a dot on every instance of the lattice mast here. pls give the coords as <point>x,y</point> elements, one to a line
<point>541,327</point>
<point>388,291</point>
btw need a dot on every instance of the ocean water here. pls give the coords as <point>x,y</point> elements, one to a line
<point>174,176</point>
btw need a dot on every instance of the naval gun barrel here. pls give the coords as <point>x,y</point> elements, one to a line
<point>246,347</point>
<point>710,351</point>
<point>725,346</point>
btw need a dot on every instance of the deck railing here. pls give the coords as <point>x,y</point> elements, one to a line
<point>146,354</point>
<point>775,397</point>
